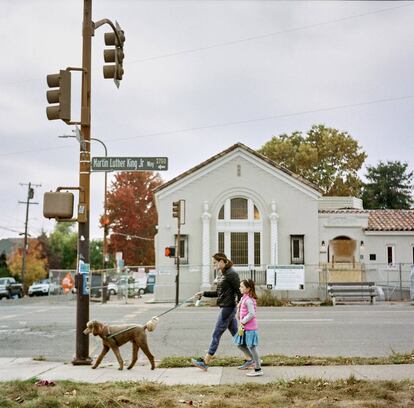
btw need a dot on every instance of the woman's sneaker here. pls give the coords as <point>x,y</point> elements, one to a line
<point>255,373</point>
<point>199,363</point>
<point>246,365</point>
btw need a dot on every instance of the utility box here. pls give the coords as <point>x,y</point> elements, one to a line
<point>58,205</point>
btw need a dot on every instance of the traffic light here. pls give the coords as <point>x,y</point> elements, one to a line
<point>176,209</point>
<point>60,96</point>
<point>170,252</point>
<point>114,55</point>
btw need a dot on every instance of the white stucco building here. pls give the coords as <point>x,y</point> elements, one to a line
<point>259,213</point>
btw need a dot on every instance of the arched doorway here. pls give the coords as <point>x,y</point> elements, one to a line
<point>342,250</point>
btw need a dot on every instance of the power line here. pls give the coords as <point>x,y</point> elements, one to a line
<point>239,122</point>
<point>130,236</point>
<point>268,35</point>
<point>286,115</point>
<point>241,40</point>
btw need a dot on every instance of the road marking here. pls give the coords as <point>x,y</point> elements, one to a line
<point>295,320</point>
<point>8,317</point>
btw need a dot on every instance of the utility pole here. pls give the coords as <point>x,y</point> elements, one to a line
<point>30,195</point>
<point>82,304</point>
<point>60,96</point>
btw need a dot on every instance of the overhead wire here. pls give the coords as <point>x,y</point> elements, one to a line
<point>234,123</point>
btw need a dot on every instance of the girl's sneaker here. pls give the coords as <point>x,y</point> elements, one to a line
<point>255,373</point>
<point>246,365</point>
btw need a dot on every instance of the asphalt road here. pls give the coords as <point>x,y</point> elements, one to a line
<point>40,327</point>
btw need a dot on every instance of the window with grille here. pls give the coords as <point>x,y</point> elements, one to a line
<point>183,248</point>
<point>221,242</point>
<point>221,213</point>
<point>239,231</point>
<point>238,209</point>
<point>257,248</point>
<point>297,249</point>
<point>256,213</point>
<point>390,255</point>
<point>239,248</point>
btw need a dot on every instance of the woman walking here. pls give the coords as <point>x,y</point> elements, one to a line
<point>227,294</point>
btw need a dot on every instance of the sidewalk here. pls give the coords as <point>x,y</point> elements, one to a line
<point>26,368</point>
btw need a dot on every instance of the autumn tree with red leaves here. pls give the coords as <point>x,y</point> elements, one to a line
<point>132,216</point>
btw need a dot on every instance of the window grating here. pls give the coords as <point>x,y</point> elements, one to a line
<point>257,248</point>
<point>221,242</point>
<point>239,248</point>
<point>238,209</point>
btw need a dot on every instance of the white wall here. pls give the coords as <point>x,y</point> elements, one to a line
<point>297,206</point>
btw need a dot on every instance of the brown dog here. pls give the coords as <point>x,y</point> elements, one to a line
<point>115,336</point>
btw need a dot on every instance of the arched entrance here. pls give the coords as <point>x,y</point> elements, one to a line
<point>341,256</point>
<point>342,250</point>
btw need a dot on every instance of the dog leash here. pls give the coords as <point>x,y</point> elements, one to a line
<point>173,308</point>
<point>155,317</point>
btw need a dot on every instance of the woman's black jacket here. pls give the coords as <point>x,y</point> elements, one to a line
<point>228,289</point>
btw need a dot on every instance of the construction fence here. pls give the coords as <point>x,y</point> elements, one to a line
<point>393,282</point>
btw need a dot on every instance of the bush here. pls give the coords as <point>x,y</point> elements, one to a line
<point>267,297</point>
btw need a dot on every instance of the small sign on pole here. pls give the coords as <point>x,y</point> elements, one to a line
<point>129,163</point>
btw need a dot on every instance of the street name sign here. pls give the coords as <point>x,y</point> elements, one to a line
<point>129,163</point>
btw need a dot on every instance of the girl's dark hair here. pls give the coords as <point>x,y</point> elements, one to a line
<point>219,256</point>
<point>250,285</point>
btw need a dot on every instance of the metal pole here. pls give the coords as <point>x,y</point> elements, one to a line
<point>104,249</point>
<point>105,227</point>
<point>401,286</point>
<point>82,304</point>
<point>25,238</point>
<point>177,257</point>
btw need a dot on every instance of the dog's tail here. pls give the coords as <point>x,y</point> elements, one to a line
<point>151,324</point>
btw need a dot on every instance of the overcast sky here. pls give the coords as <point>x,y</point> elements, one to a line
<point>199,77</point>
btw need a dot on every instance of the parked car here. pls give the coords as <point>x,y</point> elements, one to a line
<point>112,288</point>
<point>43,287</point>
<point>134,287</point>
<point>10,288</point>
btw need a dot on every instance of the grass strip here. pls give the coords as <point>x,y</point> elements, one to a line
<point>281,360</point>
<point>301,392</point>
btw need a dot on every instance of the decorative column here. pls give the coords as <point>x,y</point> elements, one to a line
<point>205,248</point>
<point>274,250</point>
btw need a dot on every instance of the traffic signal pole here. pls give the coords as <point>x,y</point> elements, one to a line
<point>82,304</point>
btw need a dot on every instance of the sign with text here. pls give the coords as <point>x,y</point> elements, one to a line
<point>289,277</point>
<point>129,163</point>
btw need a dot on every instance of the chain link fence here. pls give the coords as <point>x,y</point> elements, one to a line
<point>392,281</point>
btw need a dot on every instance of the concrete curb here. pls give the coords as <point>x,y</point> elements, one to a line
<point>26,368</point>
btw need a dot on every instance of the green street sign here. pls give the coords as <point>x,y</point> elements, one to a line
<point>129,163</point>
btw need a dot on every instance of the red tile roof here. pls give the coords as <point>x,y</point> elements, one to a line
<point>382,220</point>
<point>391,220</point>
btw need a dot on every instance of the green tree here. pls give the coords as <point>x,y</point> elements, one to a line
<point>4,269</point>
<point>63,246</point>
<point>389,186</point>
<point>325,156</point>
